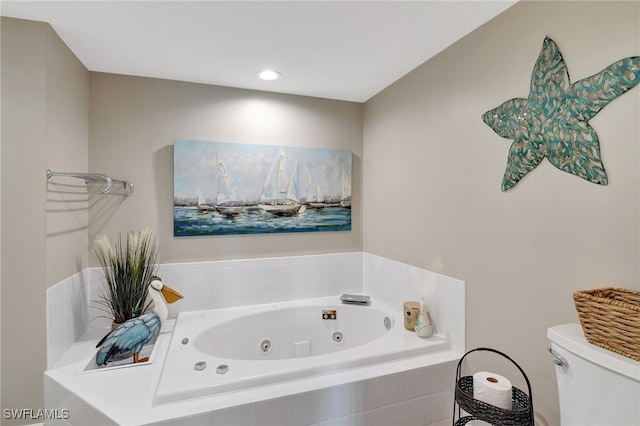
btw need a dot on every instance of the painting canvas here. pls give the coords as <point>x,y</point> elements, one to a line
<point>233,188</point>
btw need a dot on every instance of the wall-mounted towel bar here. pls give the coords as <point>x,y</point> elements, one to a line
<point>93,177</point>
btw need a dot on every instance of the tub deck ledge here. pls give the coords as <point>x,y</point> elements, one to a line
<point>125,396</point>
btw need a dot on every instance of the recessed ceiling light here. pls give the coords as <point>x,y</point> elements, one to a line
<point>268,75</point>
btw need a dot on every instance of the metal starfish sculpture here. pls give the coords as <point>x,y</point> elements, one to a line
<point>553,122</point>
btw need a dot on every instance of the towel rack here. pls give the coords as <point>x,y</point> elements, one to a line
<point>94,177</point>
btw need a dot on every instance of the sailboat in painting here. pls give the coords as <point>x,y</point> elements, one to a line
<point>202,204</point>
<point>279,194</point>
<point>345,199</point>
<point>228,200</point>
<point>315,197</point>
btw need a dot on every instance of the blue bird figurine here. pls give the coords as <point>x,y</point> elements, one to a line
<point>131,336</point>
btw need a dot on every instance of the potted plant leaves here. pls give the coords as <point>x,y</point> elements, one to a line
<point>127,267</point>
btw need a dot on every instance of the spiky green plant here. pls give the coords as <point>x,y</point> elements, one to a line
<point>127,269</point>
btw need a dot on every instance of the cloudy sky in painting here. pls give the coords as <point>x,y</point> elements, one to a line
<point>195,167</point>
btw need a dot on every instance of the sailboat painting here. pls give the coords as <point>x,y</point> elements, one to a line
<point>233,188</point>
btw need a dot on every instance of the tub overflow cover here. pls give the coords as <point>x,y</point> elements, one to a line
<point>387,323</point>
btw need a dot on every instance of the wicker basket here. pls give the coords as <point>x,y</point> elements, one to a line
<point>610,318</point>
<point>520,414</point>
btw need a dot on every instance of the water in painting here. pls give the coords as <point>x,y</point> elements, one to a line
<point>231,188</point>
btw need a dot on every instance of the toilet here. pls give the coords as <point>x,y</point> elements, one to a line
<point>595,386</point>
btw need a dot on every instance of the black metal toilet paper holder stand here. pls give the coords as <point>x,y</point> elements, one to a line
<point>521,413</point>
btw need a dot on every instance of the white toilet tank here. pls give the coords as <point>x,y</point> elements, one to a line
<point>597,386</point>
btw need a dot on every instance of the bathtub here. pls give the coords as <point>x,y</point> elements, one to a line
<point>220,351</point>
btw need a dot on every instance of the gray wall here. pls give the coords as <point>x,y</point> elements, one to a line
<point>134,121</point>
<point>45,93</point>
<point>45,114</point>
<point>524,252</point>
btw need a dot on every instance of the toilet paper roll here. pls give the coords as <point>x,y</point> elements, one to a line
<point>493,389</point>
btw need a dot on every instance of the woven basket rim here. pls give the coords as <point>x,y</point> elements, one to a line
<point>612,322</point>
<point>587,294</point>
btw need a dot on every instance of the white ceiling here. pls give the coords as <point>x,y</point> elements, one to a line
<point>347,50</point>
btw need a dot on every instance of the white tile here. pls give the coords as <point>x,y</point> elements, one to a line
<point>82,413</point>
<point>452,282</point>
<point>344,267</point>
<point>253,281</point>
<point>446,422</point>
<point>200,299</point>
<point>419,411</point>
<point>372,284</point>
<point>318,267</point>
<point>303,409</point>
<point>57,340</point>
<point>69,338</point>
<point>297,271</point>
<point>366,418</point>
<point>335,402</point>
<point>316,286</point>
<point>78,306</point>
<point>439,327</point>
<point>205,419</point>
<point>54,393</point>
<point>229,295</point>
<point>197,266</point>
<point>393,389</point>
<point>266,274</point>
<point>444,376</point>
<point>449,327</point>
<point>365,395</point>
<point>53,422</point>
<point>199,279</point>
<point>55,344</point>
<point>450,298</point>
<point>163,268</point>
<point>342,421</point>
<point>424,283</point>
<point>55,300</point>
<point>270,413</point>
<point>89,274</point>
<point>225,264</point>
<point>235,416</point>
<point>419,383</point>
<point>337,286</point>
<point>233,276</point>
<point>394,415</point>
<point>442,405</point>
<point>394,282</point>
<point>69,315</point>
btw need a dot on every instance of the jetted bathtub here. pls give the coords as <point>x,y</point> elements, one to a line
<point>225,350</point>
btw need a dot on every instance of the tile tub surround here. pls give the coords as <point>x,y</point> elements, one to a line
<point>208,285</point>
<point>413,392</point>
<point>395,282</point>
<point>72,311</point>
<point>68,305</point>
<point>419,397</point>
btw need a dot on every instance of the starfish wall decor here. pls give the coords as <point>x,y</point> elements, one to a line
<point>553,122</point>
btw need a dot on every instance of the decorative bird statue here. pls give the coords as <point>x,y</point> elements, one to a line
<point>131,336</point>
